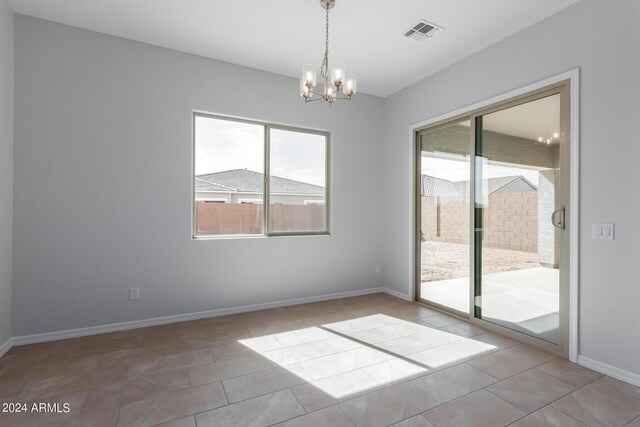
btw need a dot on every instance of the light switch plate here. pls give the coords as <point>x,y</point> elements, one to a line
<point>604,231</point>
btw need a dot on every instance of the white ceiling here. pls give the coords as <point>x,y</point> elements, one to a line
<point>540,118</point>
<point>282,35</point>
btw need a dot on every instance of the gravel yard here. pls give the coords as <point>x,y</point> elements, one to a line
<point>441,261</point>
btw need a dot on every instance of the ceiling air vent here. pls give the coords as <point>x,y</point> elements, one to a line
<point>422,30</point>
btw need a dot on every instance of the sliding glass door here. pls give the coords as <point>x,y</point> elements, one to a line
<point>444,216</point>
<point>519,218</point>
<point>492,217</point>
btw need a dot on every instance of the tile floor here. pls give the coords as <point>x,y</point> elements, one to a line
<point>366,361</point>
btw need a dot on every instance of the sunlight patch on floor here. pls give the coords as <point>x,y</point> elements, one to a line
<point>350,357</point>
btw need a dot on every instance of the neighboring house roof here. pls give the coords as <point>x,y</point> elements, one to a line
<point>248,181</point>
<point>432,186</point>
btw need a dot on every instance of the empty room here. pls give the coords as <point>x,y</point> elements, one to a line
<point>319,213</point>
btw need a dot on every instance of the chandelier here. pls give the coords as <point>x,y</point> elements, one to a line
<point>334,79</point>
<point>551,140</point>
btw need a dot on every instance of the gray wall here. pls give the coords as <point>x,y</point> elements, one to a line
<point>103,185</point>
<point>609,154</point>
<point>6,167</point>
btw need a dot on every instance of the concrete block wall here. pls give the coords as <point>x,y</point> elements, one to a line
<point>510,221</point>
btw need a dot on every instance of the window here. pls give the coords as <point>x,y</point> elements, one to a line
<point>232,158</point>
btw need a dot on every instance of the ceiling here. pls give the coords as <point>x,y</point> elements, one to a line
<point>281,35</point>
<point>540,118</point>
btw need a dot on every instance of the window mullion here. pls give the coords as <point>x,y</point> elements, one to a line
<point>266,187</point>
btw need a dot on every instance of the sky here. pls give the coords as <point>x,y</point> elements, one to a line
<point>224,145</point>
<point>458,170</point>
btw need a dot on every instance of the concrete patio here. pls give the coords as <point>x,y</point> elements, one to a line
<point>525,300</point>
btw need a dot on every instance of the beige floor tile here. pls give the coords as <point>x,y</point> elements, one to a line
<point>417,421</point>
<point>67,384</point>
<point>26,348</point>
<point>441,320</point>
<point>142,388</point>
<point>172,406</point>
<point>451,354</point>
<point>496,340</point>
<point>56,411</point>
<point>426,339</point>
<point>599,405</point>
<point>569,373</point>
<point>333,390</point>
<point>533,352</point>
<point>395,370</point>
<point>548,417</point>
<point>258,412</point>
<point>461,331</point>
<point>175,372</point>
<point>218,371</point>
<point>80,349</point>
<point>387,333</point>
<point>226,331</point>
<point>189,421</point>
<point>407,345</point>
<point>276,327</point>
<point>300,352</point>
<point>303,336</point>
<point>334,364</point>
<point>504,363</point>
<point>634,423</point>
<point>620,386</point>
<point>331,416</point>
<point>389,405</point>
<point>151,338</point>
<point>264,382</point>
<point>222,338</point>
<point>25,357</point>
<point>531,390</point>
<point>123,358</point>
<point>174,362</point>
<point>106,417</point>
<point>243,348</point>
<point>343,344</point>
<point>11,388</point>
<point>454,382</point>
<point>479,409</point>
<point>47,369</point>
<point>362,323</point>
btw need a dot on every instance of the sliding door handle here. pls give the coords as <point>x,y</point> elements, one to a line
<point>557,218</point>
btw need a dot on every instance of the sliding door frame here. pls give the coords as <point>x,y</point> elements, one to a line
<point>567,85</point>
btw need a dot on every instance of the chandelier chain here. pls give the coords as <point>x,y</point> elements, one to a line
<point>324,68</point>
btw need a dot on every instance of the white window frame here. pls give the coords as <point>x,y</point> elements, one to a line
<point>266,185</point>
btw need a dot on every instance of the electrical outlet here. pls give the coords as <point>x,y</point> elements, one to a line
<point>378,269</point>
<point>134,294</point>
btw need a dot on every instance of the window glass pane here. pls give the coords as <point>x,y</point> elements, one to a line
<point>229,176</point>
<point>444,216</point>
<point>297,181</point>
<point>518,245</point>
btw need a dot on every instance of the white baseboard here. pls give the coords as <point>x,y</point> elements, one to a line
<point>609,370</point>
<point>396,294</point>
<point>115,327</point>
<point>6,347</point>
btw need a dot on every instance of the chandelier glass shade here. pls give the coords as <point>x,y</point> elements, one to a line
<point>551,140</point>
<point>334,78</point>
